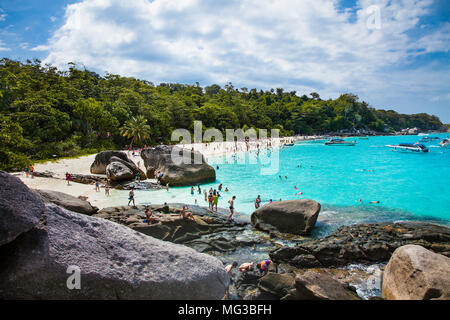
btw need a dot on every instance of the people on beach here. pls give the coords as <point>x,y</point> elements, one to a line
<point>97,186</point>
<point>220,187</point>
<point>107,188</point>
<point>199,190</point>
<point>167,187</point>
<point>192,190</point>
<point>215,200</point>
<point>31,169</point>
<point>186,214</point>
<point>68,178</point>
<point>206,195</point>
<point>131,197</point>
<point>258,202</point>
<point>231,202</point>
<point>210,201</point>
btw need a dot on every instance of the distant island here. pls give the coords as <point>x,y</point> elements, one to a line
<point>48,113</point>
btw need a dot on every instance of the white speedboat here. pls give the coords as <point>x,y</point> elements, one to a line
<point>445,143</point>
<point>339,142</point>
<point>427,139</point>
<point>409,147</point>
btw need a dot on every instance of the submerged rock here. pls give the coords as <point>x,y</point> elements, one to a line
<point>20,209</point>
<point>364,243</point>
<point>415,273</point>
<point>67,201</point>
<point>186,173</point>
<point>292,216</point>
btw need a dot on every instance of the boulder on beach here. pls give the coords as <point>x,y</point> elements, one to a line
<point>20,209</point>
<point>313,285</point>
<point>102,159</point>
<point>67,201</point>
<point>415,273</point>
<point>116,171</point>
<point>112,261</point>
<point>291,216</point>
<point>190,168</point>
<point>131,166</point>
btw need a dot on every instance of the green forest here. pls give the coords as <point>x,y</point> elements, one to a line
<point>47,113</point>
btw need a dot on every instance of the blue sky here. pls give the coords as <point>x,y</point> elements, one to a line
<point>394,54</point>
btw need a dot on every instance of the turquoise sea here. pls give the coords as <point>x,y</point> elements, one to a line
<point>408,186</point>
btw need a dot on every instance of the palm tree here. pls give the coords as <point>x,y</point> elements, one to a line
<point>136,129</point>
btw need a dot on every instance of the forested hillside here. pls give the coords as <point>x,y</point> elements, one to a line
<point>45,112</point>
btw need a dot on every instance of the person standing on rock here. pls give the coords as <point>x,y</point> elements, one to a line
<point>231,202</point>
<point>131,197</point>
<point>258,202</point>
<point>215,200</point>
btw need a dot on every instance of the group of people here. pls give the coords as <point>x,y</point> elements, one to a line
<point>263,268</point>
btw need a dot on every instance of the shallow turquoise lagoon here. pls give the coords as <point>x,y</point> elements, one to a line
<point>409,186</point>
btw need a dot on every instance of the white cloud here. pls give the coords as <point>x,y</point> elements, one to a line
<point>303,45</point>
<point>2,15</point>
<point>2,46</point>
<point>52,19</point>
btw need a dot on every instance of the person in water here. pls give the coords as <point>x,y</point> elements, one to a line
<point>264,266</point>
<point>192,190</point>
<point>131,197</point>
<point>258,202</point>
<point>231,202</point>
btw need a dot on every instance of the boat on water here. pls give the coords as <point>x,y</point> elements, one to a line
<point>426,139</point>
<point>445,143</point>
<point>409,147</point>
<point>363,138</point>
<point>339,142</point>
<point>288,145</point>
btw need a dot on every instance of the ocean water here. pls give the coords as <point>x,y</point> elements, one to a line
<point>408,186</point>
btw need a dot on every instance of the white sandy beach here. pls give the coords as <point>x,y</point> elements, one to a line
<point>82,165</point>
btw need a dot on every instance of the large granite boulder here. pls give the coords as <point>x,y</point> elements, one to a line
<point>116,171</point>
<point>415,273</point>
<point>102,159</point>
<point>313,285</point>
<point>186,173</point>
<point>115,262</point>
<point>363,243</point>
<point>131,166</point>
<point>67,201</point>
<point>292,216</point>
<point>20,209</point>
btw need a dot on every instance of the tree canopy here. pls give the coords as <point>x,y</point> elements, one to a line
<point>46,112</point>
